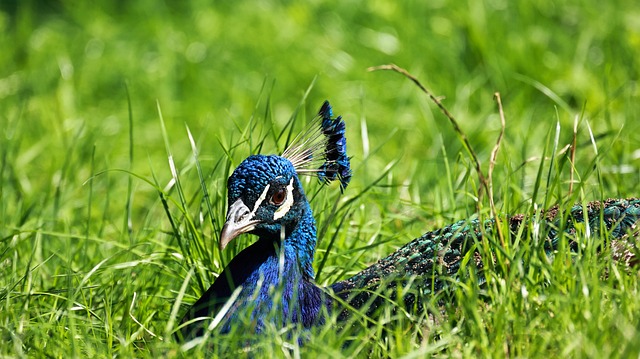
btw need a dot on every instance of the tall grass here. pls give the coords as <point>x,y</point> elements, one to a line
<point>112,196</point>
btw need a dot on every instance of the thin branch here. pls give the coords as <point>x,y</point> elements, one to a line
<point>456,127</point>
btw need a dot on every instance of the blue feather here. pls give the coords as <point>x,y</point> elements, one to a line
<point>322,149</point>
<point>337,164</point>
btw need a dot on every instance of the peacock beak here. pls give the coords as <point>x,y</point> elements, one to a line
<point>239,220</point>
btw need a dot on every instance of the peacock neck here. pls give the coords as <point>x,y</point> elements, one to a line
<point>300,242</point>
<point>286,264</point>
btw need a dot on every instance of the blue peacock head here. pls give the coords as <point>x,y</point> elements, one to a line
<point>265,195</point>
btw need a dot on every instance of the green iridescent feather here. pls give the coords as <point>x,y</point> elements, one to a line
<point>432,260</point>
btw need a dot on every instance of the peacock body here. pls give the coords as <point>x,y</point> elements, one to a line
<point>436,256</point>
<point>266,199</point>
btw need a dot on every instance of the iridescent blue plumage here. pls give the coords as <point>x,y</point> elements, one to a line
<point>266,198</point>
<point>337,163</point>
<point>322,150</point>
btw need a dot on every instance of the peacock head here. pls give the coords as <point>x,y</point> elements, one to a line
<point>265,198</point>
<point>265,195</point>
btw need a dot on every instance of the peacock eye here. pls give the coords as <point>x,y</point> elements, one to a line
<point>278,197</point>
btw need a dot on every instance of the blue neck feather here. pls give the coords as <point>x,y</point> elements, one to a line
<point>302,240</point>
<point>259,268</point>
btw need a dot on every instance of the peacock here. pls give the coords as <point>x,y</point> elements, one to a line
<point>266,199</point>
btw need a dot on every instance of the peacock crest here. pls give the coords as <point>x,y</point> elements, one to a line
<point>321,150</point>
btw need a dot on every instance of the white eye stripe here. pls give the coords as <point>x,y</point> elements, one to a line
<point>261,199</point>
<point>288,202</point>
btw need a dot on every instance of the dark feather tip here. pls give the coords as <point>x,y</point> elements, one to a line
<point>337,164</point>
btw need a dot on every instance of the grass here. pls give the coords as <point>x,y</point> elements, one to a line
<point>117,117</point>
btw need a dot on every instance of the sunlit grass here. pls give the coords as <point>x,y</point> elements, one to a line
<point>120,124</point>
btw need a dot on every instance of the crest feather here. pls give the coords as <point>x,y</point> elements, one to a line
<point>321,150</point>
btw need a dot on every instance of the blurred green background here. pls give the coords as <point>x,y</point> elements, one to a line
<point>69,70</point>
<point>65,65</point>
